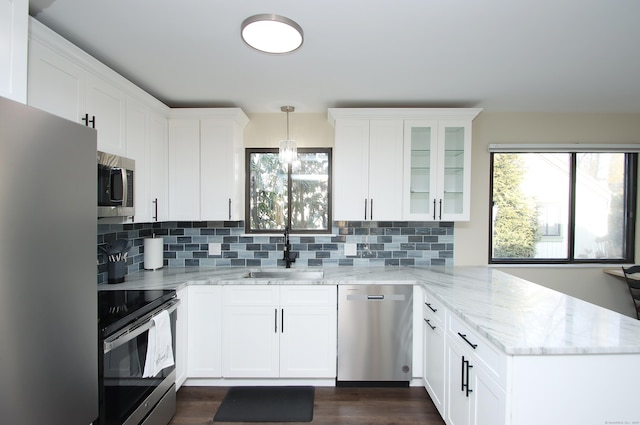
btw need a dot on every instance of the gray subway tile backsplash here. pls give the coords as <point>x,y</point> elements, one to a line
<point>383,244</point>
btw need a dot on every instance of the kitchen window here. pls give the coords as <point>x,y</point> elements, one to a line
<point>295,195</point>
<point>562,206</point>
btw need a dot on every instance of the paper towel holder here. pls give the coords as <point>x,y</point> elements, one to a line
<point>153,253</point>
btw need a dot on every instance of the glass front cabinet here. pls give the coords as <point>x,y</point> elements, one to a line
<point>437,180</point>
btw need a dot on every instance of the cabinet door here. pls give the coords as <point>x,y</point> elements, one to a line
<point>220,170</point>
<point>385,169</point>
<point>454,176</point>
<point>251,328</point>
<point>308,334</point>
<point>137,129</point>
<point>157,168</point>
<point>458,402</point>
<point>205,332</point>
<point>421,163</point>
<point>351,169</point>
<point>434,361</point>
<point>56,85</point>
<point>107,105</point>
<point>250,344</point>
<point>182,329</point>
<point>184,169</point>
<point>14,23</point>
<point>489,400</point>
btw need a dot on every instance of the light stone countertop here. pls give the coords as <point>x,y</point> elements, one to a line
<point>519,317</point>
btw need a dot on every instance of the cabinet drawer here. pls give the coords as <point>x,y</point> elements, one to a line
<point>432,309</point>
<point>309,295</point>
<point>251,295</point>
<point>489,357</point>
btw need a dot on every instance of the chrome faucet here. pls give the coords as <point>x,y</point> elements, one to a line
<point>288,257</point>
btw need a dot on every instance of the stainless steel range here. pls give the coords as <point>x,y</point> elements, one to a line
<point>131,392</point>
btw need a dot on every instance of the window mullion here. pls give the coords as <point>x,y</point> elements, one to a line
<point>572,207</point>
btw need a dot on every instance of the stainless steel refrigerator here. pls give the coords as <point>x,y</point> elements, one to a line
<point>48,296</point>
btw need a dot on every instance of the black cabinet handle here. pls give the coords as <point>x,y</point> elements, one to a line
<point>440,216</point>
<point>463,336</point>
<point>229,208</point>
<point>431,308</point>
<point>88,121</point>
<point>282,321</point>
<point>434,208</point>
<point>371,212</point>
<point>275,320</point>
<point>469,366</point>
<point>433,328</point>
<point>365,208</point>
<point>155,217</point>
<point>463,364</point>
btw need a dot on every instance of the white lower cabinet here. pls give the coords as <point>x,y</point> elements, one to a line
<point>204,358</point>
<point>463,373</point>
<point>472,396</point>
<point>434,357</point>
<point>279,331</point>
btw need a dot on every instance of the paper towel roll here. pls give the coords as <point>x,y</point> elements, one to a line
<point>153,253</point>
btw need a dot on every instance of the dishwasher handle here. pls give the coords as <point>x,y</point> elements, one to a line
<point>375,297</point>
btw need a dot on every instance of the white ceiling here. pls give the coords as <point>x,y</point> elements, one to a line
<point>501,55</point>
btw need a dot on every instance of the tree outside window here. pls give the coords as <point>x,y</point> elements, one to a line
<point>296,195</point>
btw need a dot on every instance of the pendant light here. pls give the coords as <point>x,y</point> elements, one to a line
<point>271,33</point>
<point>288,148</point>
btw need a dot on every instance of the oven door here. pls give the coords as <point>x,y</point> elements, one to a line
<point>125,396</point>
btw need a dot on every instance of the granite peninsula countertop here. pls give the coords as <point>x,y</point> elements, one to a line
<point>517,316</point>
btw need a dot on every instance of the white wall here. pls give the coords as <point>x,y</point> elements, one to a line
<point>471,238</point>
<point>308,130</point>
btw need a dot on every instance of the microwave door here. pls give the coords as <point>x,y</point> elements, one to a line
<point>118,181</point>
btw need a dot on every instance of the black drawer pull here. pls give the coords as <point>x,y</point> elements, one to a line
<point>474,346</point>
<point>431,308</point>
<point>433,328</point>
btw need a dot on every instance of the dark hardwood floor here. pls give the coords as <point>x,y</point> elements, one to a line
<point>372,406</point>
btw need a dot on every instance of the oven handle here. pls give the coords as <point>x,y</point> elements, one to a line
<point>137,329</point>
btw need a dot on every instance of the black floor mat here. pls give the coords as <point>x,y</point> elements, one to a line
<point>267,404</point>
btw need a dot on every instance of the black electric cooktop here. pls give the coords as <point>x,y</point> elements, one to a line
<point>118,308</point>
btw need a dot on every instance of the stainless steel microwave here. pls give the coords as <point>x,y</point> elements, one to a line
<point>115,185</point>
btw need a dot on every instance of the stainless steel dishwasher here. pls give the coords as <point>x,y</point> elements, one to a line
<point>375,334</point>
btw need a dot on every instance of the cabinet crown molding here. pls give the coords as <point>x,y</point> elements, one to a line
<point>334,114</point>
<point>235,114</point>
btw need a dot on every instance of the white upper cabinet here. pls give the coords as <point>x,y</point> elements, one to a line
<point>65,81</point>
<point>56,84</point>
<point>184,169</point>
<point>206,168</point>
<point>402,163</point>
<point>106,106</point>
<point>367,167</point>
<point>146,136</point>
<point>437,158</point>
<point>14,24</point>
<point>68,82</point>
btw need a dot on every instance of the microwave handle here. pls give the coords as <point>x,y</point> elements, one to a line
<point>125,187</point>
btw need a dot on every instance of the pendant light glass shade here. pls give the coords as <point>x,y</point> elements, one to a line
<point>288,149</point>
<point>272,33</point>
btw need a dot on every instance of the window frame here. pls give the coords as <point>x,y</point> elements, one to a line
<point>247,191</point>
<point>630,189</point>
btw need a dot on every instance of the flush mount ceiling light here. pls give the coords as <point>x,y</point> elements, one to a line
<point>272,33</point>
<point>288,149</point>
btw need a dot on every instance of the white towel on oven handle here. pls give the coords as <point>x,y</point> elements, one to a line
<point>159,345</point>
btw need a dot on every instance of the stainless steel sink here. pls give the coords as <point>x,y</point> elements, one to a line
<point>286,274</point>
